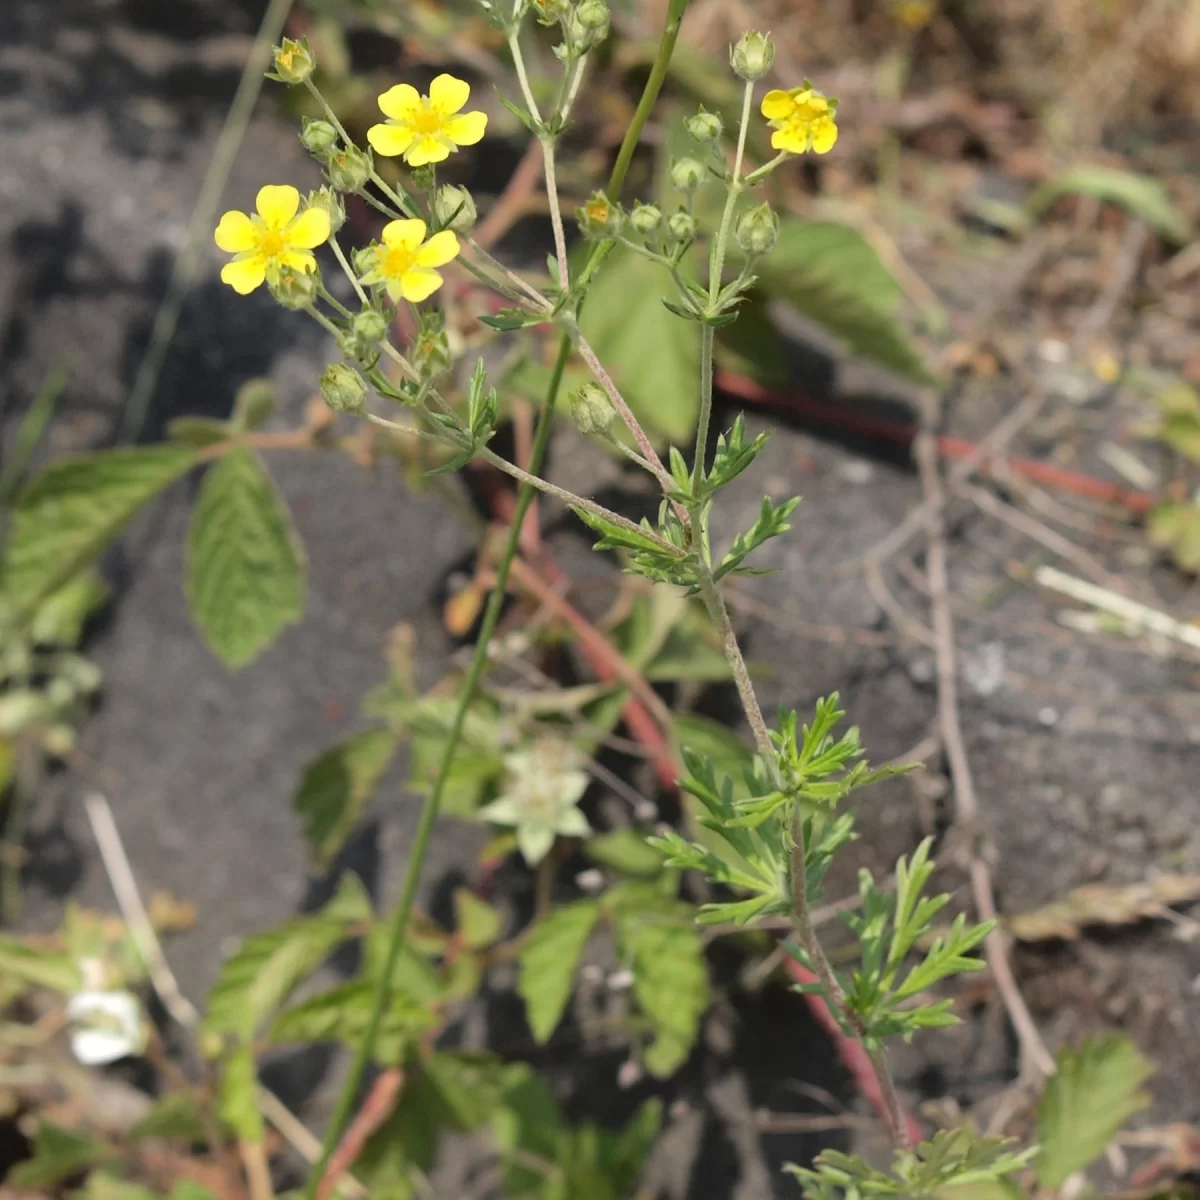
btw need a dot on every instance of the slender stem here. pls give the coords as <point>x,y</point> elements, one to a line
<point>491,617</point>
<point>340,256</point>
<point>658,73</point>
<point>511,276</point>
<point>560,239</point>
<point>514,45</point>
<point>707,340</point>
<point>716,263</point>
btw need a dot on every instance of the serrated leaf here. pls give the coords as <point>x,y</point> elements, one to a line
<point>1140,195</point>
<point>58,1154</point>
<point>626,851</point>
<point>254,403</point>
<point>73,509</point>
<point>670,980</point>
<point>258,977</point>
<point>245,564</point>
<point>61,617</point>
<point>548,962</point>
<point>174,1115</point>
<point>831,275</point>
<point>469,1086</point>
<point>337,787</point>
<point>528,1129</point>
<point>654,357</point>
<point>475,921</point>
<point>237,1095</point>
<point>1096,1090</point>
<point>39,968</point>
<point>342,1014</point>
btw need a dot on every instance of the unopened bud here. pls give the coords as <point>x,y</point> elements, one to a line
<point>330,203</point>
<point>682,225</point>
<point>599,217</point>
<point>349,169</point>
<point>751,55</point>
<point>587,26</point>
<point>550,12</point>
<point>687,174</point>
<point>430,349</point>
<point>591,409</point>
<point>645,218</point>
<point>317,137</point>
<point>704,126</point>
<point>294,62</point>
<point>423,177</point>
<point>295,289</point>
<point>757,230</point>
<point>343,388</point>
<point>362,258</point>
<point>454,208</point>
<point>369,327</point>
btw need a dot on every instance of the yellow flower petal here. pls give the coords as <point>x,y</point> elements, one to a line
<point>419,284</point>
<point>467,128</point>
<point>298,260</point>
<point>408,234</point>
<point>448,93</point>
<point>439,250</point>
<point>789,138</point>
<point>397,102</point>
<point>825,133</point>
<point>235,233</point>
<point>390,140</point>
<point>244,274</point>
<point>277,204</point>
<point>309,230</point>
<point>427,150</point>
<point>777,104</point>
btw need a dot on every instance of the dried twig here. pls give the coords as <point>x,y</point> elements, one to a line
<point>1034,1054</point>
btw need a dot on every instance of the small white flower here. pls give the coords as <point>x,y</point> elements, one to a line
<point>107,1026</point>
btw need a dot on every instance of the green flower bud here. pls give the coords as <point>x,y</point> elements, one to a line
<point>599,217</point>
<point>454,208</point>
<point>331,204</point>
<point>317,137</point>
<point>550,12</point>
<point>751,55</point>
<point>593,14</point>
<point>430,349</point>
<point>349,169</point>
<point>704,126</point>
<point>423,177</point>
<point>60,693</point>
<point>362,259</point>
<point>687,174</point>
<point>645,218</point>
<point>369,328</point>
<point>295,289</point>
<point>343,388</point>
<point>294,62</point>
<point>757,230</point>
<point>587,26</point>
<point>591,409</point>
<point>58,741</point>
<point>682,226</point>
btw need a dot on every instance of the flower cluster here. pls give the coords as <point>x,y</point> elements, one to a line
<point>803,119</point>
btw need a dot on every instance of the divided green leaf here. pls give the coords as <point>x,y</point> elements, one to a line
<point>57,1155</point>
<point>245,564</point>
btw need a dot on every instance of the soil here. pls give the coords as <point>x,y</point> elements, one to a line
<point>1085,748</point>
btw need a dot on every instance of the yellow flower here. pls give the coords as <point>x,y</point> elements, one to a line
<point>426,128</point>
<point>273,238</point>
<point>803,119</point>
<point>914,14</point>
<point>404,262</point>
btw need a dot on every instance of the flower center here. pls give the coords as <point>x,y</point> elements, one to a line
<point>270,243</point>
<point>397,261</point>
<point>427,120</point>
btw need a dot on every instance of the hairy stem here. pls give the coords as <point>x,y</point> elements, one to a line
<point>491,617</point>
<point>560,238</point>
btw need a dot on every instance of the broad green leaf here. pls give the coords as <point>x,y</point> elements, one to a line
<point>528,1129</point>
<point>174,1115</point>
<point>245,568</point>
<point>256,979</point>
<point>832,276</point>
<point>412,975</point>
<point>237,1099</point>
<point>626,851</point>
<point>752,345</point>
<point>73,509</point>
<point>1096,1090</point>
<point>254,403</point>
<point>405,1143</point>
<point>198,431</point>
<point>654,357</point>
<point>57,1155</point>
<point>342,1014</point>
<point>101,1185</point>
<point>60,618</point>
<point>670,980</point>
<point>468,1086</point>
<point>336,788</point>
<point>1142,196</point>
<point>39,968</point>
<point>548,961</point>
<point>478,763</point>
<point>475,921</point>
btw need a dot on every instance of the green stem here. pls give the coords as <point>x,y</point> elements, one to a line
<point>707,341</point>
<point>340,256</point>
<point>491,617</point>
